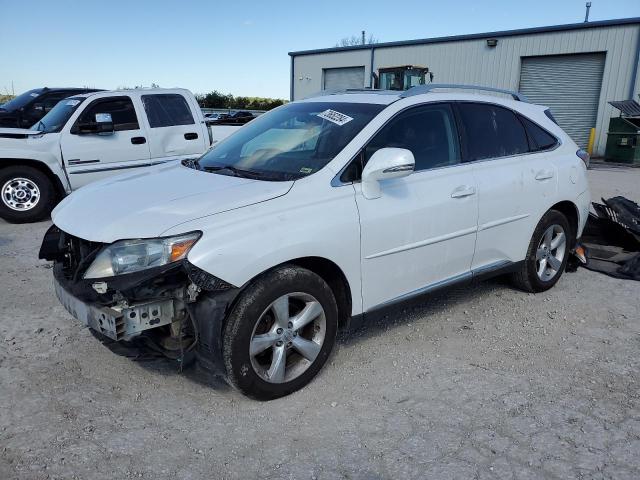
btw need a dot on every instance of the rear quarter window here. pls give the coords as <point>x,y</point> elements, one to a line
<point>539,138</point>
<point>167,110</point>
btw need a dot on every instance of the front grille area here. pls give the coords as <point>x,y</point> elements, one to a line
<point>72,254</point>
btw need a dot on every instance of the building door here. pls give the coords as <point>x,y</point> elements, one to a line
<point>569,85</point>
<point>343,78</point>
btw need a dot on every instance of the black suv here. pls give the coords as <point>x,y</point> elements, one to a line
<point>26,109</point>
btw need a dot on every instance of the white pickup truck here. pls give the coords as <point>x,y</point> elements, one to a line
<point>94,135</point>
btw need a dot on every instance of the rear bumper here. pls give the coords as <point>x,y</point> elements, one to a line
<point>118,322</point>
<point>583,203</point>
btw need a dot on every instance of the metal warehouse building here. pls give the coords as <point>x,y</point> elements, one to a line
<point>575,69</point>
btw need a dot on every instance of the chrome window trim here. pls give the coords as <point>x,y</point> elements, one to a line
<point>336,182</point>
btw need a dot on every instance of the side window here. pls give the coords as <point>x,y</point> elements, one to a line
<point>167,110</point>
<point>428,131</point>
<point>491,131</point>
<point>539,138</point>
<point>52,100</point>
<point>121,109</point>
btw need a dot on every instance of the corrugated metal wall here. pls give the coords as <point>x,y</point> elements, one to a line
<point>472,61</point>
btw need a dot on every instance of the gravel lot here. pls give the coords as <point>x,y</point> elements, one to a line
<point>478,382</point>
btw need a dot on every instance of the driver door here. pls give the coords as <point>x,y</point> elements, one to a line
<point>421,232</point>
<point>92,156</point>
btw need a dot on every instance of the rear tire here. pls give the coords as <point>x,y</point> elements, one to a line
<point>27,194</point>
<point>279,333</point>
<point>547,254</point>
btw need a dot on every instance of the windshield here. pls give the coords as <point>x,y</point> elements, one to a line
<point>21,100</point>
<point>290,142</point>
<point>58,115</point>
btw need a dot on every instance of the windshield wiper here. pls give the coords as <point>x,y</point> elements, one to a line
<point>254,175</point>
<point>237,172</point>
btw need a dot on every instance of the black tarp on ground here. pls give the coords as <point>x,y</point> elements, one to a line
<point>611,238</point>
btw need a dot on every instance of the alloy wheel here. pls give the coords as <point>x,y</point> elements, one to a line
<point>287,337</point>
<point>550,252</point>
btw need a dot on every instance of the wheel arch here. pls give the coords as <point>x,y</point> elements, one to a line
<point>569,210</point>
<point>331,273</point>
<point>38,165</point>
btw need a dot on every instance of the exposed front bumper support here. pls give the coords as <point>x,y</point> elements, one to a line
<point>118,322</point>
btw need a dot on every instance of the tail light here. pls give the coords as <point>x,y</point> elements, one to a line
<point>584,156</point>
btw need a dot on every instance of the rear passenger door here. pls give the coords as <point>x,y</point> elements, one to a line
<point>92,156</point>
<point>514,182</point>
<point>173,132</point>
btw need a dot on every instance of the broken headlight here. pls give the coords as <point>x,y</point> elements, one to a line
<point>128,256</point>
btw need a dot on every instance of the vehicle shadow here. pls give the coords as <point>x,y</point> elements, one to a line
<point>424,306</point>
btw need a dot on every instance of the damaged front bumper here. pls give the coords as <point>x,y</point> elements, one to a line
<point>174,308</point>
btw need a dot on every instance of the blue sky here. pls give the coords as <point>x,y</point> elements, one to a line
<point>233,46</point>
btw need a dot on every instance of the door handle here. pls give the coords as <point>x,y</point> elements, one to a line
<point>138,140</point>
<point>190,136</point>
<point>463,191</point>
<point>544,175</point>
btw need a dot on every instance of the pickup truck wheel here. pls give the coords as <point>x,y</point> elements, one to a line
<point>280,333</point>
<point>547,254</point>
<point>27,194</point>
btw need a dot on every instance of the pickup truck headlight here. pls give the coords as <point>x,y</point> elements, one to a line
<point>128,256</point>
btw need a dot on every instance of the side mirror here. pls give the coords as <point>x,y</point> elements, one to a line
<point>384,164</point>
<point>104,124</point>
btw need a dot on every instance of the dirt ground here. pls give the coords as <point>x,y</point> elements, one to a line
<point>479,382</point>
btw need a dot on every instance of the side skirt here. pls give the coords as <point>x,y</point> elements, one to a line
<point>419,296</point>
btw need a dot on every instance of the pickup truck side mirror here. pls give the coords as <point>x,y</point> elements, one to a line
<point>103,125</point>
<point>384,164</point>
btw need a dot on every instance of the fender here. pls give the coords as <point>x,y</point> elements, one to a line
<point>40,150</point>
<point>240,244</point>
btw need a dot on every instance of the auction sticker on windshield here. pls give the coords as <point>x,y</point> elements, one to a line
<point>72,103</point>
<point>335,117</point>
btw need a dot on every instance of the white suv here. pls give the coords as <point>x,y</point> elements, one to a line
<point>321,212</point>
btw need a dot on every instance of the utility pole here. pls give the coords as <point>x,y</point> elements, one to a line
<point>586,15</point>
<point>362,37</point>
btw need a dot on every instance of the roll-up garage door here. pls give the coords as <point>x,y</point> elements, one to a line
<point>343,78</point>
<point>569,85</point>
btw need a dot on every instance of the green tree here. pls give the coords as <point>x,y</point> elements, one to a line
<point>216,99</point>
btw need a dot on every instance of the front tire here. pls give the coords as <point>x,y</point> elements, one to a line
<point>547,254</point>
<point>27,194</point>
<point>279,333</point>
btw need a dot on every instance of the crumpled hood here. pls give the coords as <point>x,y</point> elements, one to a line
<point>146,204</point>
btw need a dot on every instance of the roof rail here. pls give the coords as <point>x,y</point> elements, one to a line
<point>344,91</point>
<point>420,89</point>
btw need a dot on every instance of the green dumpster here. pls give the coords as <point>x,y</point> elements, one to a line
<point>623,142</point>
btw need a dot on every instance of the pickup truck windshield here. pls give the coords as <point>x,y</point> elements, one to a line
<point>290,142</point>
<point>56,118</point>
<point>20,101</point>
